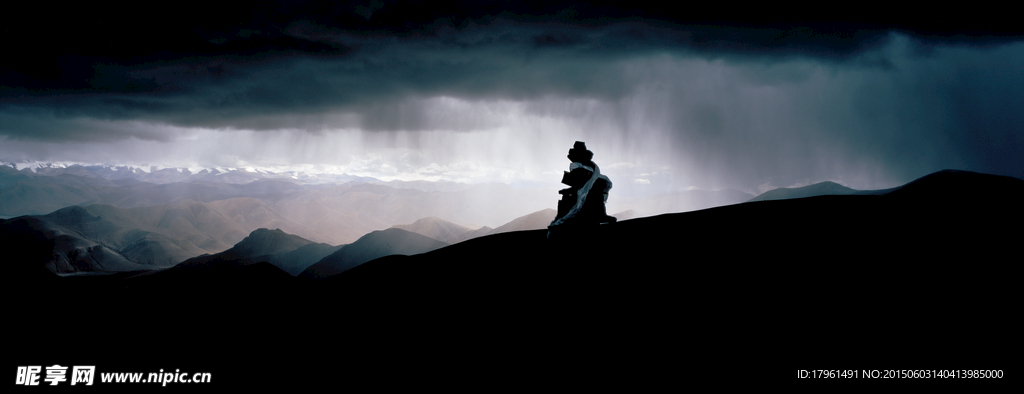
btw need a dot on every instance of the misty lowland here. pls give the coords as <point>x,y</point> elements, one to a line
<point>248,273</point>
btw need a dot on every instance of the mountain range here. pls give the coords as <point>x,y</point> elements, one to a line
<point>826,188</point>
<point>377,244</point>
<point>329,213</point>
<point>142,219</point>
<point>919,276</point>
<point>288,252</point>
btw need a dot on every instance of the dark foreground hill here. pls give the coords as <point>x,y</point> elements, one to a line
<point>920,278</point>
<point>74,240</point>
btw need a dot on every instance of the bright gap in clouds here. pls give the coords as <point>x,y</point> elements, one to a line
<point>519,145</point>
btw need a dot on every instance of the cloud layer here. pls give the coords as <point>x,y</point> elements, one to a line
<point>478,91</point>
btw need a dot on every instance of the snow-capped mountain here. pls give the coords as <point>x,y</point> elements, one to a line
<point>161,174</point>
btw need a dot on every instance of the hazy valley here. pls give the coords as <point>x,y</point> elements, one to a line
<point>108,219</point>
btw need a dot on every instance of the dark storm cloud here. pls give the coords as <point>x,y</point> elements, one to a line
<point>727,99</point>
<point>799,121</point>
<point>956,108</point>
<point>268,65</point>
<point>47,125</point>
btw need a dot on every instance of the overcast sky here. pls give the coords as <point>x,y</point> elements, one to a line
<point>667,99</point>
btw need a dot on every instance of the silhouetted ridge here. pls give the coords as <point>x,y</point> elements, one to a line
<point>72,240</point>
<point>956,186</point>
<point>330,213</point>
<point>754,287</point>
<point>818,189</point>
<point>474,233</point>
<point>287,252</point>
<point>534,221</point>
<point>265,241</point>
<point>436,228</point>
<point>72,214</point>
<point>296,261</point>
<point>372,246</point>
